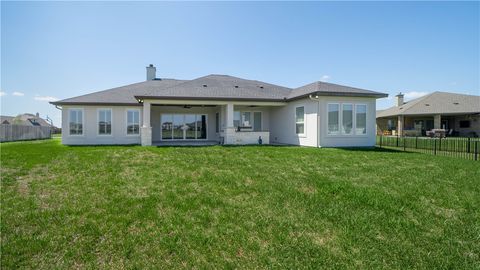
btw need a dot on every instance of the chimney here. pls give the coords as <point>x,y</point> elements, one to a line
<point>151,72</point>
<point>37,115</point>
<point>399,99</point>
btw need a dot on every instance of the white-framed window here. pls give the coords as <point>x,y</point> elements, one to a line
<point>75,122</point>
<point>360,119</point>
<point>333,118</point>
<point>347,119</point>
<point>104,121</point>
<point>133,122</point>
<point>300,120</point>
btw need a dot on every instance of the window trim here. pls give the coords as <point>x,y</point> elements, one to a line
<point>304,122</point>
<point>83,121</point>
<point>366,119</point>
<point>352,132</point>
<point>339,119</point>
<point>111,122</point>
<point>139,122</point>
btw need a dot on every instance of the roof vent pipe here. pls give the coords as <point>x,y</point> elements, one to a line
<point>151,72</point>
<point>399,99</point>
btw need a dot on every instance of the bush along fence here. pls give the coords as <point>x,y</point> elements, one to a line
<point>10,133</point>
<point>467,148</point>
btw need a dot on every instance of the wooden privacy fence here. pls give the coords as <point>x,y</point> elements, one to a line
<point>468,148</point>
<point>10,133</point>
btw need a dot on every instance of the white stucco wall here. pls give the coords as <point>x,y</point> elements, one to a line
<point>278,120</point>
<point>282,127</point>
<point>90,126</point>
<point>282,124</point>
<point>347,140</point>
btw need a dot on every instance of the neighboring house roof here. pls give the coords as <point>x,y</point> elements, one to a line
<point>213,86</point>
<point>436,103</point>
<point>330,89</point>
<point>26,119</point>
<point>6,119</point>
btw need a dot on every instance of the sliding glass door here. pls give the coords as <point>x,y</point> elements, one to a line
<point>184,126</point>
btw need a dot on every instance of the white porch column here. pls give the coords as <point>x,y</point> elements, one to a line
<point>437,121</point>
<point>146,130</point>
<point>229,128</point>
<point>229,115</point>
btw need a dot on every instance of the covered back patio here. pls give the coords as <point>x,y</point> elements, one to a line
<point>205,122</point>
<point>429,125</point>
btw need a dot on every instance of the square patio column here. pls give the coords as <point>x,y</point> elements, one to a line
<point>146,130</point>
<point>229,127</point>
<point>400,125</point>
<point>437,121</point>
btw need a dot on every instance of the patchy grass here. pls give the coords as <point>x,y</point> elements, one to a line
<point>229,207</point>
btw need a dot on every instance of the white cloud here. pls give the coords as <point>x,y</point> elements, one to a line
<point>2,94</point>
<point>325,78</point>
<point>415,94</point>
<point>45,98</point>
<point>18,94</point>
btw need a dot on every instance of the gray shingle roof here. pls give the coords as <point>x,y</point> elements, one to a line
<point>330,89</point>
<point>436,103</point>
<point>26,119</point>
<point>221,87</point>
<point>211,87</point>
<point>121,95</point>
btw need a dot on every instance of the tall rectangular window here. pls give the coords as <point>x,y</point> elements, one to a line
<point>300,120</point>
<point>361,119</point>
<point>347,118</point>
<point>333,119</point>
<point>167,126</point>
<point>201,126</point>
<point>133,122</point>
<point>75,121</point>
<point>257,121</point>
<point>104,121</point>
<point>237,119</point>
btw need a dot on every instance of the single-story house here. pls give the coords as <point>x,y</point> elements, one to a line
<point>456,114</point>
<point>221,109</point>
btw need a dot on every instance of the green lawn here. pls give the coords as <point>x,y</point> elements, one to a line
<point>230,207</point>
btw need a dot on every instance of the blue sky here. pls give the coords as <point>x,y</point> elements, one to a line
<point>56,50</point>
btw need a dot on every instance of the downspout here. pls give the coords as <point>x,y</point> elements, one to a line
<point>318,118</point>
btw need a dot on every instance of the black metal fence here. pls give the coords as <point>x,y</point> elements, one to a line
<point>467,148</point>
